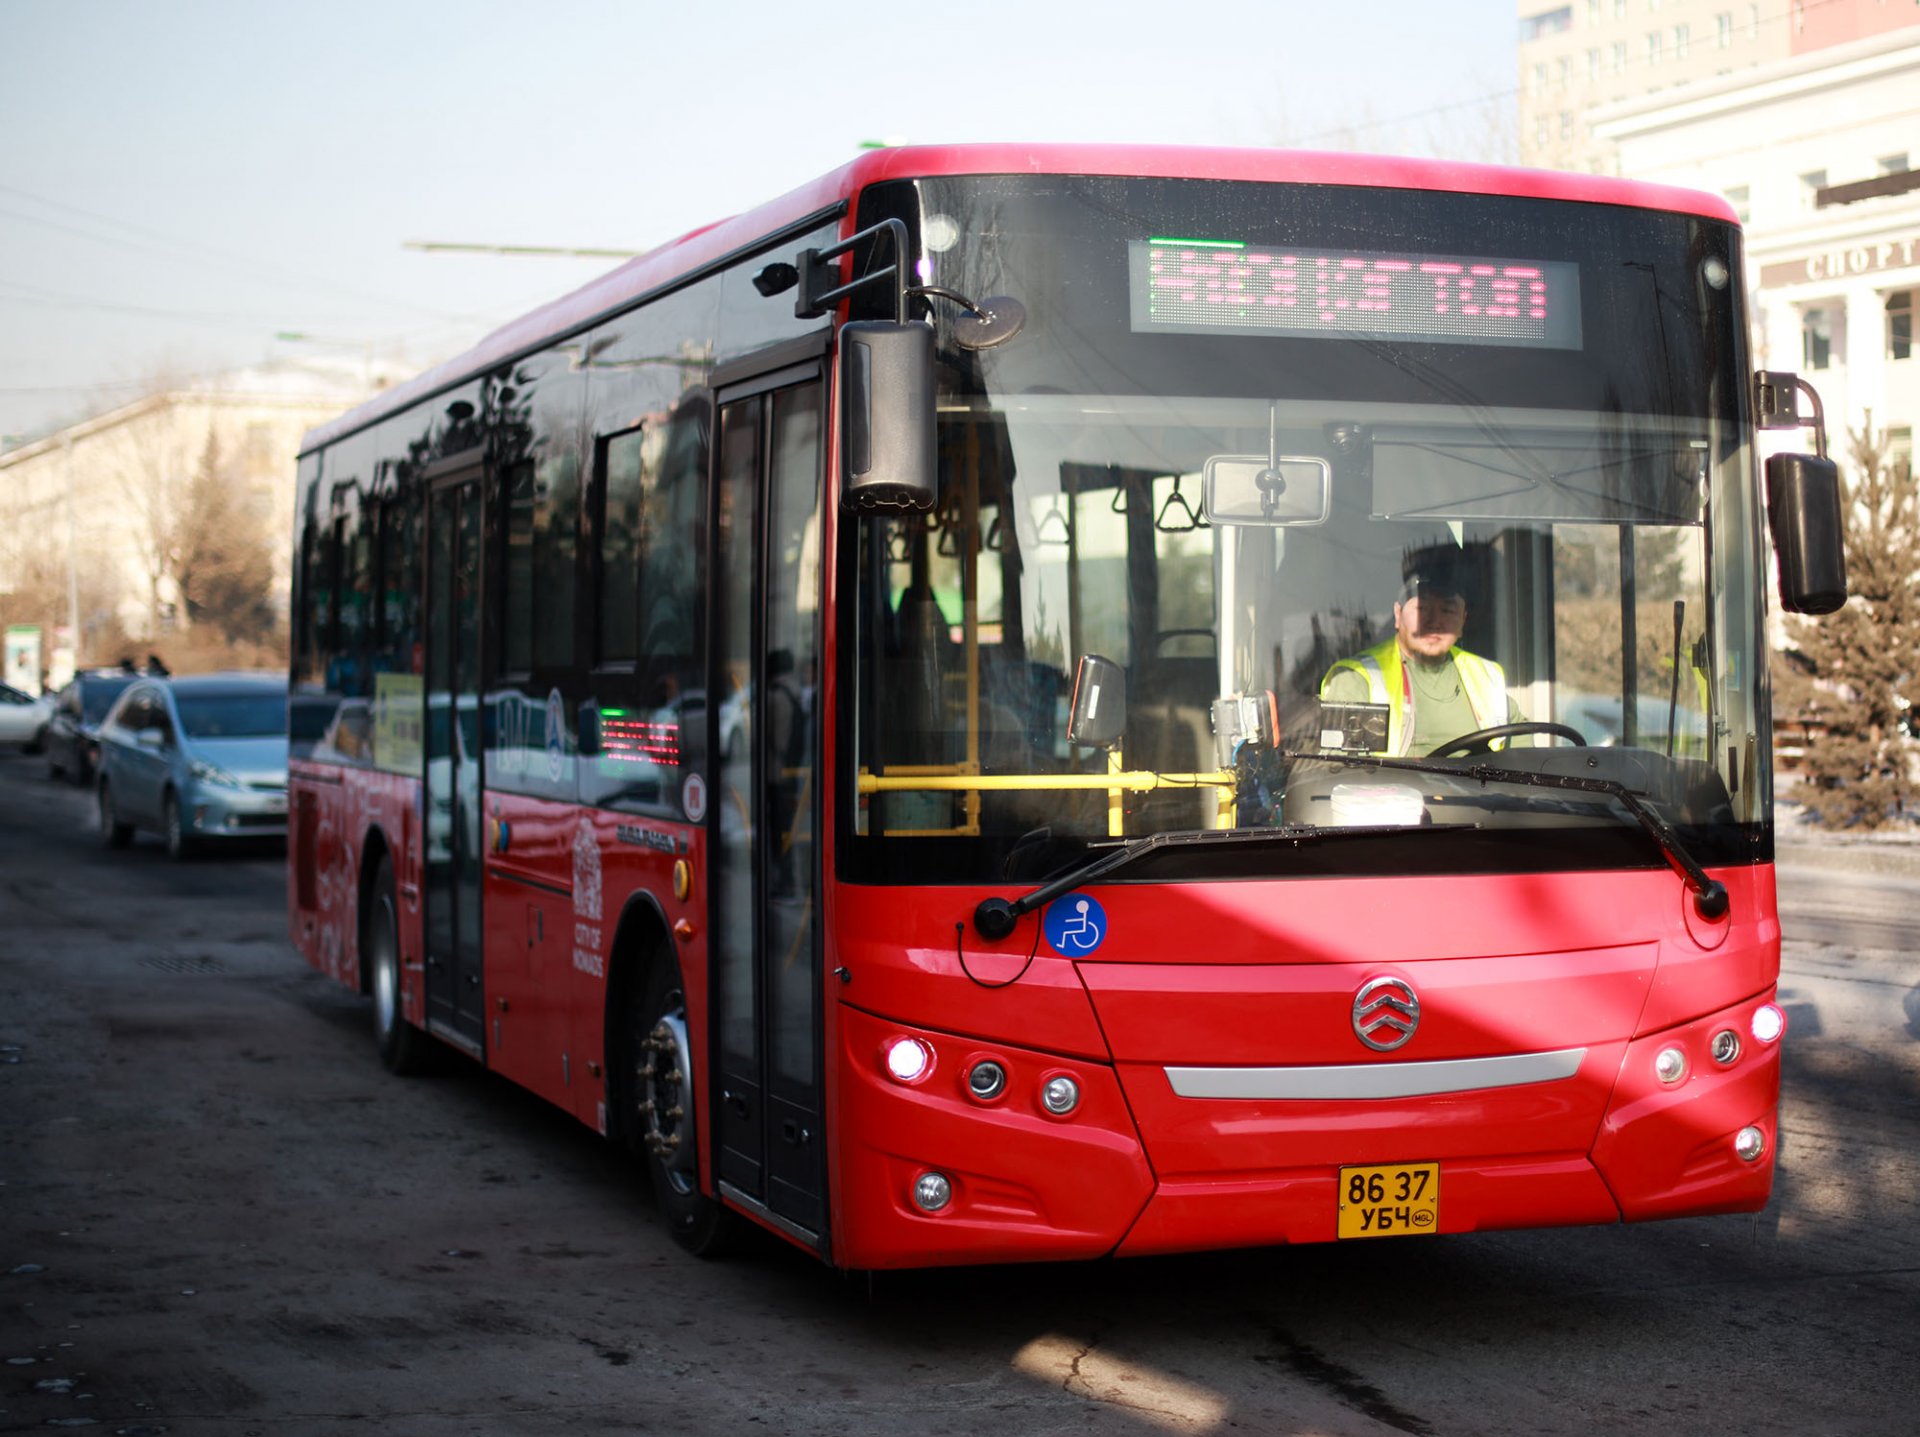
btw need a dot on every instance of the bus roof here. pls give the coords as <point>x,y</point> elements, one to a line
<point>659,267</point>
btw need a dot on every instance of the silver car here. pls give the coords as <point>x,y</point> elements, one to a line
<point>23,718</point>
<point>195,759</point>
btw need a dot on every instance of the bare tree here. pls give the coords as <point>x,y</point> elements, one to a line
<point>146,464</point>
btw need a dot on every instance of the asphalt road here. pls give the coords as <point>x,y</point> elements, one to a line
<point>219,1215</point>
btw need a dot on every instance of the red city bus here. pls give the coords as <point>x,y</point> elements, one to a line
<point>895,707</point>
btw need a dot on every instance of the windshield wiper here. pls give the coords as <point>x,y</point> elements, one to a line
<point>1709,895</point>
<point>994,918</point>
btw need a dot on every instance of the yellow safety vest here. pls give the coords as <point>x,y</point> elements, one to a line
<point>1484,682</point>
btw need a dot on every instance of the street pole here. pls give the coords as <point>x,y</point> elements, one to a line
<point>73,579</point>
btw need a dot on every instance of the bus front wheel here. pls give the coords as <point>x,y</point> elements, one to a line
<point>660,1120</point>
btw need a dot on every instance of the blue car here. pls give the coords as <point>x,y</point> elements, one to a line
<point>196,760</point>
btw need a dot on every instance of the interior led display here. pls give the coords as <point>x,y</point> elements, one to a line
<point>1197,286</point>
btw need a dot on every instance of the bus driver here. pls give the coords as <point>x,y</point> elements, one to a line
<point>1435,691</point>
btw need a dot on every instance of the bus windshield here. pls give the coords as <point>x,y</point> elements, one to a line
<point>1321,475</point>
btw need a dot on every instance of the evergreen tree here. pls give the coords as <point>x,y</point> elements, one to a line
<point>1863,661</point>
<point>224,566</point>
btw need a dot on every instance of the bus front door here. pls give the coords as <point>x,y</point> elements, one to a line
<point>454,996</point>
<point>764,821</point>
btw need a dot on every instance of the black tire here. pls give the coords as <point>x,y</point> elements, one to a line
<point>403,1048</point>
<point>181,845</point>
<point>116,833</point>
<point>659,1124</point>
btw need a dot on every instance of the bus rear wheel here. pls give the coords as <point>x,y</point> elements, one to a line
<point>660,1123</point>
<point>403,1048</point>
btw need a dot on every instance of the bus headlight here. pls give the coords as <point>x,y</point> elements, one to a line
<point>1060,1095</point>
<point>986,1080</point>
<point>1768,1023</point>
<point>1749,1143</point>
<point>908,1060</point>
<point>931,1192</point>
<point>1726,1046</point>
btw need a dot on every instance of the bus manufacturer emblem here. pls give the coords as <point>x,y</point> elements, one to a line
<point>1385,1014</point>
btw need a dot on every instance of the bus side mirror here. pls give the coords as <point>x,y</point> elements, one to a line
<point>886,402</point>
<point>1097,714</point>
<point>1804,510</point>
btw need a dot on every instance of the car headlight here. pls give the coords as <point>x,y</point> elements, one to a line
<point>212,773</point>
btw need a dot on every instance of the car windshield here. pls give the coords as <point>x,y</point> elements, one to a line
<point>97,696</point>
<point>262,715</point>
<point>1296,542</point>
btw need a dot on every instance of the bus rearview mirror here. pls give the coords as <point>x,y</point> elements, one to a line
<point>1097,714</point>
<point>1256,489</point>
<point>1806,513</point>
<point>887,455</point>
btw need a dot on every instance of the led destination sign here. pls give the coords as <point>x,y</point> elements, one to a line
<point>1192,286</point>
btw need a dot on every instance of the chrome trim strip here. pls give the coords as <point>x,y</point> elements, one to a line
<point>1376,1080</point>
<point>786,1224</point>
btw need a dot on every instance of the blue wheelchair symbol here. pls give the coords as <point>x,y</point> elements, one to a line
<point>1076,925</point>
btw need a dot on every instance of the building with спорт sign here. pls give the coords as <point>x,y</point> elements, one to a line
<point>1818,153</point>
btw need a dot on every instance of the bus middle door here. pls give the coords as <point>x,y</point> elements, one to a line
<point>453,857</point>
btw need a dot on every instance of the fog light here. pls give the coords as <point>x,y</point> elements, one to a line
<point>931,1192</point>
<point>1726,1046</point>
<point>1768,1023</point>
<point>1671,1066</point>
<point>908,1059</point>
<point>1749,1144</point>
<point>1060,1095</point>
<point>986,1080</point>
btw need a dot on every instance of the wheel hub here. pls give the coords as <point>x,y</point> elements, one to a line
<point>665,1097</point>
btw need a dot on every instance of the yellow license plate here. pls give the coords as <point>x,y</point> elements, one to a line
<point>1399,1200</point>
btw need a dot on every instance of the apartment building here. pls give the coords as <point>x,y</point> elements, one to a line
<point>87,512</point>
<point>1580,54</point>
<point>1818,153</point>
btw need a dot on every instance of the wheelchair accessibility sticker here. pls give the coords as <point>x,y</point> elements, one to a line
<point>1076,925</point>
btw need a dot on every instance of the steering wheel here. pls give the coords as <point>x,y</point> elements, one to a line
<point>1481,740</point>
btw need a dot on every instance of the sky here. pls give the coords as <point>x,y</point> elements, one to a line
<point>183,183</point>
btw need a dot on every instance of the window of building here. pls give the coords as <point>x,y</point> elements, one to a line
<point>1900,447</point>
<point>1656,42</point>
<point>1753,22</point>
<point>1619,57</point>
<point>1563,70</point>
<point>1900,325</point>
<point>1737,197</point>
<point>1816,339</point>
<point>1566,124</point>
<point>1593,12</point>
<point>1682,41</point>
<point>1892,164</point>
<point>1550,22</point>
<point>1619,9</point>
<point>1811,183</point>
<point>1723,30</point>
<point>1540,130</point>
<point>1539,84</point>
<point>1593,64</point>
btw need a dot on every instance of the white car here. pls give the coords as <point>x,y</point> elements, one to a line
<point>23,718</point>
